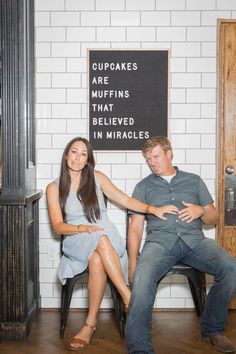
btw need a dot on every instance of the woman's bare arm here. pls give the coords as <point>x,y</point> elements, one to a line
<point>55,214</point>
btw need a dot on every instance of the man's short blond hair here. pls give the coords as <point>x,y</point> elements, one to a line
<point>152,142</point>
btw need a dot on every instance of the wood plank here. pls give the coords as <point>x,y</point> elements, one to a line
<point>175,332</point>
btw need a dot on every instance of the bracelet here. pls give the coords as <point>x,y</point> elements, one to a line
<point>78,228</point>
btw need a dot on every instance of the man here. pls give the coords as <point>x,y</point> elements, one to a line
<point>185,204</point>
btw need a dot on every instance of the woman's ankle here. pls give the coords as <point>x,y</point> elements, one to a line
<point>91,321</point>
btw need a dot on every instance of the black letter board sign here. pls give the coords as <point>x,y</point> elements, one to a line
<point>128,97</point>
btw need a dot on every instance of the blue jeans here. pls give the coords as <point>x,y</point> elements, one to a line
<point>154,263</point>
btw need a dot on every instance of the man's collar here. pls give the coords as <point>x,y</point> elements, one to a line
<point>176,169</point>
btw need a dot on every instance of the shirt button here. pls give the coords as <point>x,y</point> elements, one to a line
<point>173,198</point>
<point>178,233</point>
<point>176,220</point>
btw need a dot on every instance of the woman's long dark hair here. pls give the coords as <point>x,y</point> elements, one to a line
<point>86,192</point>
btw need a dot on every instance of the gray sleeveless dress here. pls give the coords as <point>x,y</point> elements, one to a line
<point>78,248</point>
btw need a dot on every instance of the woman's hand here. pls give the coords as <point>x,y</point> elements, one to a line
<point>191,212</point>
<point>89,228</point>
<point>160,211</point>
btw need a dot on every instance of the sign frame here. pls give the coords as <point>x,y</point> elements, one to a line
<point>120,71</point>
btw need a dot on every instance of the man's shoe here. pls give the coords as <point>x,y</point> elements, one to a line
<point>220,342</point>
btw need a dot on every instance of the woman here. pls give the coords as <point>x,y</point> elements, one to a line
<point>77,210</point>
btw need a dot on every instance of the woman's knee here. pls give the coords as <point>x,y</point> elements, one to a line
<point>104,243</point>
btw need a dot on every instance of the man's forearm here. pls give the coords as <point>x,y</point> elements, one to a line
<point>133,246</point>
<point>210,216</point>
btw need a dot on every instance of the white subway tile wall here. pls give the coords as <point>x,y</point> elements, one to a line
<point>65,30</point>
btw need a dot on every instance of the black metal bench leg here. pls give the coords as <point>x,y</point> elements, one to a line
<point>197,287</point>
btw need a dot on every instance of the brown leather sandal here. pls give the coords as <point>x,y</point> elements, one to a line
<point>81,341</point>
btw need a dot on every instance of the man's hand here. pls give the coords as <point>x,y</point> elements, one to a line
<point>166,209</point>
<point>191,212</point>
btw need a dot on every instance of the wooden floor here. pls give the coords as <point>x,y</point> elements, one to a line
<point>173,333</point>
